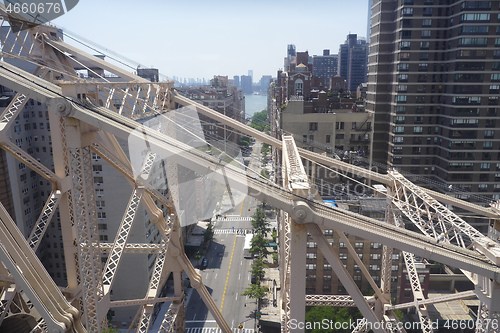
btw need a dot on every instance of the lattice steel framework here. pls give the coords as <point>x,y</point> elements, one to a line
<point>86,118</point>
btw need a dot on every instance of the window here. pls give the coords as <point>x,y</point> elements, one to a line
<point>103,237</point>
<point>313,126</point>
<point>328,139</point>
<point>401,98</point>
<point>476,5</point>
<point>311,255</point>
<point>101,215</point>
<point>311,244</point>
<point>339,125</point>
<point>358,245</point>
<point>427,11</point>
<point>374,267</point>
<point>424,46</point>
<point>426,22</point>
<point>327,267</point>
<point>398,139</point>
<point>417,129</point>
<point>404,56</point>
<point>395,256</point>
<point>310,266</point>
<point>474,17</point>
<point>342,245</point>
<point>402,88</point>
<point>99,192</point>
<point>403,77</point>
<point>100,203</point>
<point>404,45</point>
<point>485,166</point>
<point>489,134</point>
<point>400,109</point>
<point>473,41</point>
<point>422,67</point>
<point>473,29</point>
<point>102,226</point>
<point>403,68</point>
<point>97,167</point>
<point>343,256</point>
<point>426,33</point>
<point>407,11</point>
<point>375,256</point>
<point>98,180</point>
<point>487,145</point>
<point>398,129</point>
<point>375,245</point>
<point>353,125</point>
<point>394,268</point>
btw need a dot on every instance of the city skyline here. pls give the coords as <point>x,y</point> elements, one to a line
<point>260,45</point>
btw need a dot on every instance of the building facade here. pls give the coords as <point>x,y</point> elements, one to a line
<point>352,60</point>
<point>433,85</point>
<point>325,66</point>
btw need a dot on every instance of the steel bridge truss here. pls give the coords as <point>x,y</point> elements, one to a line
<point>88,115</point>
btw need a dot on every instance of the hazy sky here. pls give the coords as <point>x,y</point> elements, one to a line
<point>201,39</point>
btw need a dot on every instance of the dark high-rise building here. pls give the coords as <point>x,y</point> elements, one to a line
<point>352,61</point>
<point>433,84</point>
<point>325,66</point>
<point>246,84</point>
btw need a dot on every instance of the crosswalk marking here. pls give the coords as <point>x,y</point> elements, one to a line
<point>230,231</point>
<point>216,330</point>
<point>234,219</point>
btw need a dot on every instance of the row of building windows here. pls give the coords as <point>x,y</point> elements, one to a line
<point>357,245</point>
<point>17,128</point>
<point>372,267</point>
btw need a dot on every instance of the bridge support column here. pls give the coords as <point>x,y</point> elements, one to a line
<point>297,286</point>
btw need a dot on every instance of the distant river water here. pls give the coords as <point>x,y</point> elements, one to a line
<point>254,103</point>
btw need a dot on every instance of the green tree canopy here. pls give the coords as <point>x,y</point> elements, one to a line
<point>258,245</point>
<point>333,315</point>
<point>255,291</point>
<point>260,122</point>
<point>259,223</point>
<point>258,270</point>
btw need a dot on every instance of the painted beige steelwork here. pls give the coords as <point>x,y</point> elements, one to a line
<point>88,117</point>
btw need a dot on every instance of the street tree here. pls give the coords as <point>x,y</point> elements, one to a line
<point>259,222</point>
<point>258,245</point>
<point>258,267</point>
<point>256,291</point>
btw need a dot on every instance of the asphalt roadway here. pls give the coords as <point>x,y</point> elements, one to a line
<point>228,273</point>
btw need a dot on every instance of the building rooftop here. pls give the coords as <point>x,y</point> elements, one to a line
<point>454,310</point>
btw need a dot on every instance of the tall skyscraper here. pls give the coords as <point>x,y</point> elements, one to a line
<point>291,54</point>
<point>236,81</point>
<point>250,73</point>
<point>352,61</point>
<point>433,84</point>
<point>246,84</point>
<point>325,66</point>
